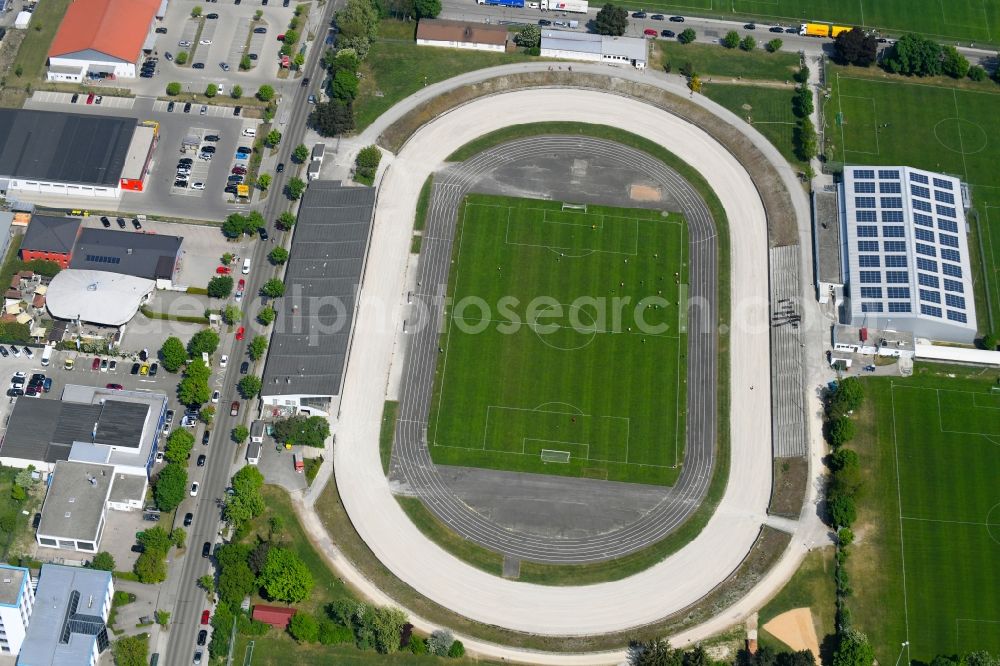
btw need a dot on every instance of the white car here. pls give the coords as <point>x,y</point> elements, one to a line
<point>215,397</point>
<point>206,42</point>
<point>224,361</point>
<point>221,89</point>
<point>198,186</point>
<point>194,489</point>
<point>184,44</point>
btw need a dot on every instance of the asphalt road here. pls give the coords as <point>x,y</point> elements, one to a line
<point>190,600</point>
<point>410,450</point>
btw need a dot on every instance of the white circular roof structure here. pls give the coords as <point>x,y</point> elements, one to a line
<point>97,297</point>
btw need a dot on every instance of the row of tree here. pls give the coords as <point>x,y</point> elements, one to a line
<point>911,55</point>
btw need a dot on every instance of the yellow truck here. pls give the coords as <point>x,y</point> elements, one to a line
<point>814,30</point>
<point>837,29</point>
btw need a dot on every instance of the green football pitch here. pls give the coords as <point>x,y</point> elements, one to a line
<point>563,345</point>
<point>953,130</point>
<point>936,499</point>
<point>963,20</point>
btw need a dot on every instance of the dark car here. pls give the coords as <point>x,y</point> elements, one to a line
<point>281,167</point>
<point>750,26</point>
<point>667,33</point>
<point>237,110</point>
<point>212,137</point>
<point>188,519</point>
<point>230,189</point>
<point>213,15</point>
<point>791,31</point>
<point>76,96</point>
<point>121,222</point>
<point>47,384</point>
<point>145,74</point>
<point>186,161</point>
<point>161,30</point>
<point>544,22</point>
<point>244,367</point>
<point>105,222</point>
<point>15,392</point>
<point>260,31</point>
<point>135,368</point>
<point>262,232</point>
<point>658,17</point>
<point>677,19</point>
<point>776,28</point>
<point>168,55</point>
<point>305,82</point>
<point>201,460</point>
<point>137,548</point>
<point>153,368</point>
<point>639,15</point>
<point>170,106</point>
<point>4,352</point>
<point>202,636</point>
<point>136,224</point>
<point>208,149</point>
<point>115,387</point>
<point>204,438</point>
<point>180,183</point>
<point>206,549</point>
<point>198,65</point>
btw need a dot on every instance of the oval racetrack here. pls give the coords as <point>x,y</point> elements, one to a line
<point>685,576</point>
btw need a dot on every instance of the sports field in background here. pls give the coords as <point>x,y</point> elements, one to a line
<point>927,565</point>
<point>953,130</point>
<point>577,386</point>
<point>964,20</point>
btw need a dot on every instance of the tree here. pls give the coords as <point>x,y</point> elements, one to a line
<point>774,45</point>
<point>687,36</point>
<point>298,60</point>
<point>344,86</point>
<point>913,55</point>
<point>853,650</point>
<point>257,347</point>
<point>162,618</point>
<point>18,494</point>
<point>611,20</point>
<point>357,23</point>
<point>802,75</point>
<point>278,255</point>
<point>220,286</point>
<point>457,650</point>
<point>855,47</point>
<point>131,650</point>
<point>258,14</point>
<point>847,397</point>
<point>846,471</point>
<point>332,118</point>
<point>291,37</point>
<point>387,626</point>
<point>240,434</point>
<point>206,414</point>
<point>300,154</point>
<point>204,341</point>
<point>266,315</point>
<point>236,581</point>
<point>439,642</point>
<point>285,577</point>
<point>178,536</point>
<point>156,539</point>
<point>172,354</point>
<point>988,342</point>
<point>427,8</point>
<point>273,138</point>
<point>731,40</point>
<point>207,583</point>
<point>273,288</point>
<point>304,628</point>
<point>748,43</point>
<point>303,430</point>
<point>843,511</point>
<point>196,12</point>
<point>236,225</point>
<point>802,103</point>
<point>694,83</point>
<point>804,138</point>
<point>977,73</point>
<point>245,63</point>
<point>249,386</point>
<point>953,63</point>
<point>841,431</point>
<point>264,181</point>
<point>211,90</point>
<point>265,93</point>
<point>295,188</point>
<point>170,488</point>
<point>103,561</point>
<point>151,568</point>
<point>247,480</point>
<point>174,88</point>
<point>236,92</point>
<point>179,446</point>
<point>193,388</point>
<point>25,477</point>
<point>286,220</point>
<point>231,314</point>
<point>181,58</point>
<point>529,37</point>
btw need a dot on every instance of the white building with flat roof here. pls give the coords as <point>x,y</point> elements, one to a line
<point>906,254</point>
<point>17,600</point>
<point>594,48</point>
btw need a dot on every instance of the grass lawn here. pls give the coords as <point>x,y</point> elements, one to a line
<point>714,60</point>
<point>16,534</point>
<point>387,433</point>
<point>936,127</point>
<point>965,20</point>
<point>811,587</point>
<point>397,68</point>
<point>34,51</point>
<point>769,110</point>
<point>925,566</point>
<point>531,374</point>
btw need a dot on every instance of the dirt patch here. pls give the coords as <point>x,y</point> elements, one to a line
<point>795,628</point>
<point>791,476</point>
<point>644,193</point>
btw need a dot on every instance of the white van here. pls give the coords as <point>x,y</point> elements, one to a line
<point>46,354</point>
<point>249,131</point>
<point>246,266</point>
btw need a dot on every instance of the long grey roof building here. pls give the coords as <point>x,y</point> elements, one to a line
<point>308,350</point>
<point>150,256</point>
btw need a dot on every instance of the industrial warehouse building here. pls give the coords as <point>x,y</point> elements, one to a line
<point>594,48</point>
<point>102,39</point>
<point>49,156</point>
<point>97,297</point>
<point>461,35</point>
<point>50,239</point>
<point>904,253</point>
<point>308,350</point>
<point>148,256</point>
<point>69,621</point>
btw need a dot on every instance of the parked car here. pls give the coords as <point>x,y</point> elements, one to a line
<point>240,332</point>
<point>649,32</point>
<point>121,222</point>
<point>90,98</point>
<point>201,460</point>
<point>205,437</point>
<point>544,22</point>
<point>187,107</point>
<point>198,185</point>
<point>47,384</point>
<point>262,232</point>
<point>194,489</point>
<point>196,659</point>
<point>202,637</point>
<point>206,550</point>
<point>136,224</point>
<point>198,65</point>
<point>96,365</point>
<point>237,110</point>
<point>281,167</point>
<point>115,387</point>
<point>234,409</point>
<point>657,17</point>
<point>75,97</point>
<point>105,222</point>
<point>212,16</point>
<point>677,19</point>
<point>667,33</point>
<point>188,519</point>
<point>639,15</point>
<point>244,367</point>
<point>161,30</point>
<point>776,28</point>
<point>184,44</point>
<point>4,352</point>
<point>153,369</point>
<point>750,26</point>
<point>215,397</point>
<point>180,182</point>
<point>204,616</point>
<point>224,361</point>
<point>260,30</point>
<point>135,368</point>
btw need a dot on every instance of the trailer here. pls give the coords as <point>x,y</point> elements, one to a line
<point>814,30</point>
<point>503,3</point>
<point>837,29</point>
<point>575,6</point>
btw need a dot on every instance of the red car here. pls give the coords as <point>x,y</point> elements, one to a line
<point>204,616</point>
<point>234,408</point>
<point>240,332</point>
<point>223,270</point>
<point>90,98</point>
<point>116,387</point>
<point>96,365</point>
<point>242,284</point>
<point>649,32</point>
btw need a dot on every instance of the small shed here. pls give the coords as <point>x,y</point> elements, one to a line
<point>253,452</point>
<point>276,616</point>
<point>318,151</point>
<point>257,431</point>
<point>312,171</point>
<point>22,20</point>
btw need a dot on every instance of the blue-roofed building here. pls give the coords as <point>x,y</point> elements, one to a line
<point>69,623</point>
<point>17,600</point>
<point>905,253</point>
